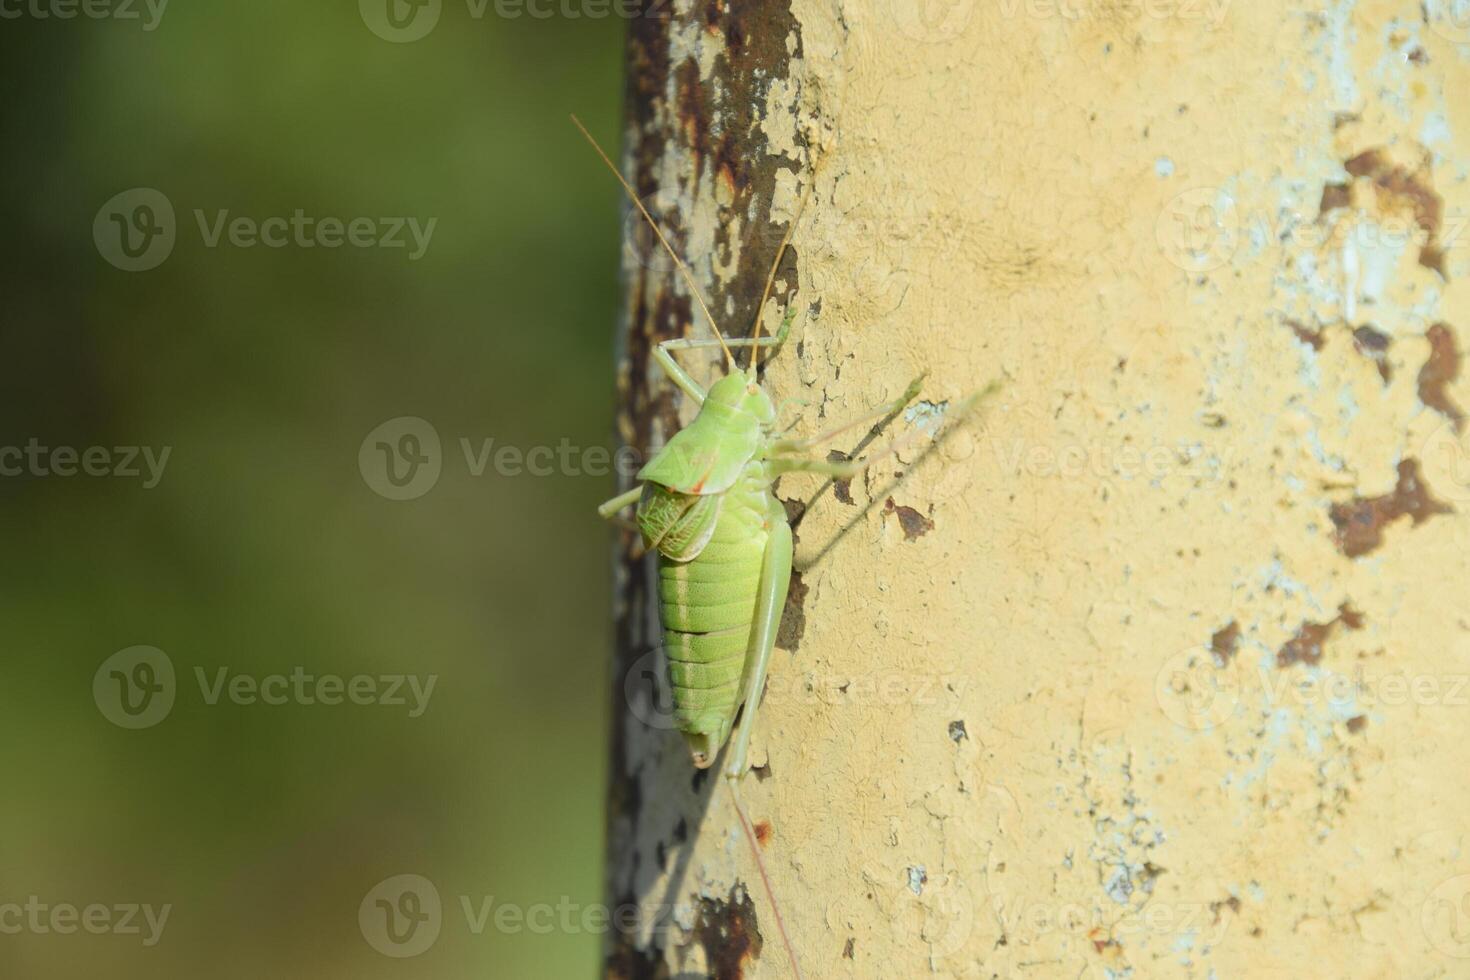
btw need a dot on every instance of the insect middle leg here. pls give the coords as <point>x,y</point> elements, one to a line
<point>882,412</point>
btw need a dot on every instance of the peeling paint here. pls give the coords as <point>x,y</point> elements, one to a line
<point>1360,522</point>
<point>914,524</point>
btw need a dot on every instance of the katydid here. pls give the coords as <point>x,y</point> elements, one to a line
<point>724,546</point>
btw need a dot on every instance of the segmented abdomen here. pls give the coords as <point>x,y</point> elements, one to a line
<point>707,606</point>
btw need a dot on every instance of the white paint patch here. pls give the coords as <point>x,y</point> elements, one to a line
<point>926,416</point>
<point>917,877</point>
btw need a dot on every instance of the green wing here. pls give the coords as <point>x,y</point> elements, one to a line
<point>705,456</point>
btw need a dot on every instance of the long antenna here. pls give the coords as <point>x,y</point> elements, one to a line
<point>688,277</point>
<point>755,330</point>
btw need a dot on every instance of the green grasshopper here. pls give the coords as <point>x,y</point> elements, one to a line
<point>724,545</point>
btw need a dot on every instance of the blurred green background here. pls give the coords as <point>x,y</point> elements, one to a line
<point>264,548</point>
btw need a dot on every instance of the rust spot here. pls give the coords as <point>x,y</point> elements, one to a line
<point>1307,335</point>
<point>1232,903</point>
<point>727,930</point>
<point>1334,196</point>
<point>841,489</point>
<point>1359,522</point>
<point>1373,344</point>
<point>727,179</point>
<point>694,115</point>
<point>914,524</point>
<point>1105,945</point>
<point>1442,368</point>
<point>793,617</point>
<point>627,963</point>
<point>1431,256</point>
<point>1419,57</point>
<point>763,832</point>
<point>1413,191</point>
<point>1357,723</point>
<point>1306,646</point>
<point>795,511</point>
<point>1225,642</point>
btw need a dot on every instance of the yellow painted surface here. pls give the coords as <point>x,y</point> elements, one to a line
<point>1114,207</point>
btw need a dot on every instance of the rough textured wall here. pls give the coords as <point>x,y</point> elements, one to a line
<point>1160,663</point>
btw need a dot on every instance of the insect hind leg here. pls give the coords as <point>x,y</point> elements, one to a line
<point>770,602</point>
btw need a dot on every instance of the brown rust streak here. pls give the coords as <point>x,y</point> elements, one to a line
<point>1413,190</point>
<point>755,33</point>
<point>1439,371</point>
<point>715,123</point>
<point>727,931</point>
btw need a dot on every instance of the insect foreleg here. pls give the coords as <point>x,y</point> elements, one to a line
<point>841,470</point>
<point>837,470</point>
<point>610,511</point>
<point>677,374</point>
<point>822,467</point>
<point>663,354</point>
